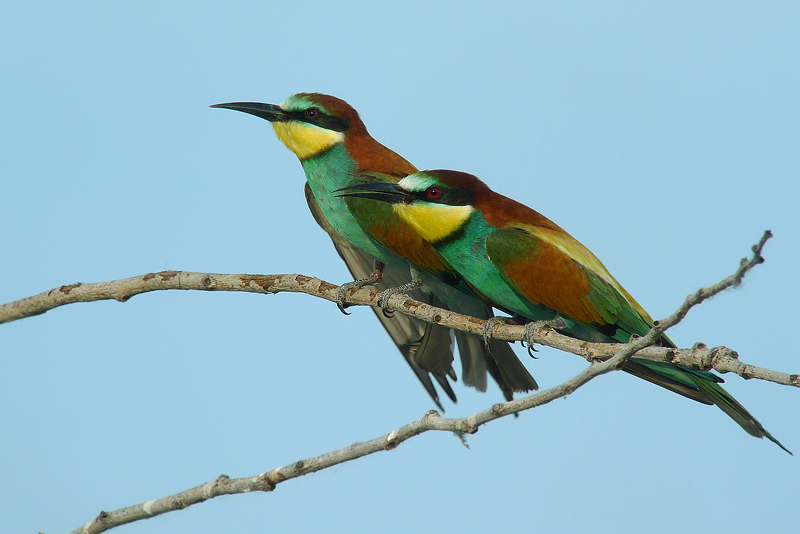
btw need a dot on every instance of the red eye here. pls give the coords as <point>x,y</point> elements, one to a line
<point>434,192</point>
<point>312,113</point>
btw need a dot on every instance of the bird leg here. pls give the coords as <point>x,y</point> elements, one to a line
<point>488,326</point>
<point>532,326</point>
<point>374,278</point>
<point>383,298</point>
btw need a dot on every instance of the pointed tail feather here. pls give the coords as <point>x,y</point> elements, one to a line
<point>501,362</point>
<point>702,387</point>
<point>508,371</point>
<point>428,355</point>
<point>666,378</point>
<point>473,360</point>
<point>735,410</point>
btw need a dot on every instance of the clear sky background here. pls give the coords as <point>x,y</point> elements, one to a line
<point>664,137</point>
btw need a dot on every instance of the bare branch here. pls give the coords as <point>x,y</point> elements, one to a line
<point>721,359</point>
<point>267,482</point>
<point>603,358</point>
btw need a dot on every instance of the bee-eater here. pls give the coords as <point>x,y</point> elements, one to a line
<point>526,265</point>
<point>335,149</point>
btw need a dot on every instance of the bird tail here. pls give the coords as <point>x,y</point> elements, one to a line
<point>702,387</point>
<point>508,371</point>
<point>736,411</point>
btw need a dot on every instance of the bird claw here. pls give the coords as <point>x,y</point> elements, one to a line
<point>371,280</point>
<point>344,288</point>
<point>340,303</point>
<point>527,339</point>
<point>383,298</point>
<point>488,326</point>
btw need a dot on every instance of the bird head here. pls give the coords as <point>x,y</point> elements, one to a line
<point>436,204</point>
<point>307,123</point>
<point>311,124</point>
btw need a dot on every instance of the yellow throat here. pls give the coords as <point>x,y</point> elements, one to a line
<point>305,140</point>
<point>434,222</point>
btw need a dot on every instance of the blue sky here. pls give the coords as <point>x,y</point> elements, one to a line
<point>664,137</point>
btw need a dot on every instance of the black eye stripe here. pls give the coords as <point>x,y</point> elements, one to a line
<point>319,118</point>
<point>446,195</point>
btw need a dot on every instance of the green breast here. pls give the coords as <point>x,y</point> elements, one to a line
<point>466,252</point>
<point>328,172</point>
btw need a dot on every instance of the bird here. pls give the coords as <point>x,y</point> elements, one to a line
<point>335,149</point>
<point>526,265</point>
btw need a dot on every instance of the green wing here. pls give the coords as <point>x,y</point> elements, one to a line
<point>550,268</point>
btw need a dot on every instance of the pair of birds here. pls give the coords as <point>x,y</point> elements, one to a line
<point>449,240</point>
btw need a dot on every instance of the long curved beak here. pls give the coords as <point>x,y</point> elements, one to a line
<point>383,191</point>
<point>270,112</point>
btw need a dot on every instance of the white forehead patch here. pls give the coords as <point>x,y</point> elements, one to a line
<point>285,104</point>
<point>416,182</point>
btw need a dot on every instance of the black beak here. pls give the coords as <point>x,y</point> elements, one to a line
<point>270,112</point>
<point>383,191</point>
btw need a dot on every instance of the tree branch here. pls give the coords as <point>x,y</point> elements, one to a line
<point>721,359</point>
<point>603,358</point>
<point>613,357</point>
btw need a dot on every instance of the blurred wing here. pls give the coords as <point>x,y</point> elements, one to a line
<point>427,348</point>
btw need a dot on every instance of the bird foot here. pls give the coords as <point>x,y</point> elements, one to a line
<point>383,298</point>
<point>488,326</point>
<point>527,339</point>
<point>373,279</point>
